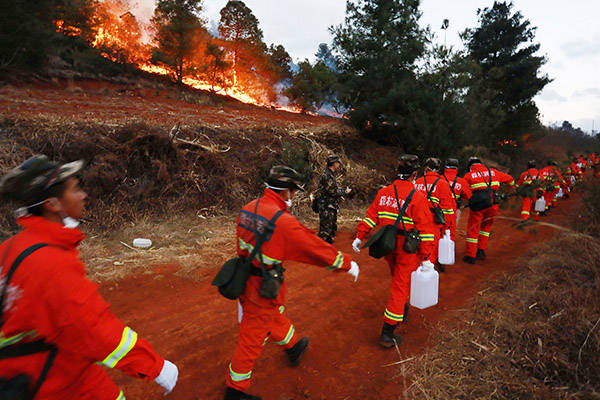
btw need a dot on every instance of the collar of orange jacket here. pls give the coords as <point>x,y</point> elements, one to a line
<point>272,196</point>
<point>52,232</point>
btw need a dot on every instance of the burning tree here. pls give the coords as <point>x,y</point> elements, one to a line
<point>216,66</point>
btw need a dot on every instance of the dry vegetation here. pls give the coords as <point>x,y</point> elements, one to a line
<point>531,335</point>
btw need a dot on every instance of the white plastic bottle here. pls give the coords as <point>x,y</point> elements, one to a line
<point>424,285</point>
<point>540,205</point>
<point>446,249</point>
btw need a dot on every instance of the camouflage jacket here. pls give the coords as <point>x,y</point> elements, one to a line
<point>329,193</point>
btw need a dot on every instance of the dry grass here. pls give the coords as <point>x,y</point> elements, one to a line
<point>531,335</point>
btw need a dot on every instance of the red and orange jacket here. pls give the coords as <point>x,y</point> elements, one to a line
<point>459,187</point>
<point>384,211</point>
<point>50,298</point>
<point>550,174</point>
<point>291,241</point>
<point>441,194</point>
<point>478,178</point>
<point>574,169</point>
<point>528,177</point>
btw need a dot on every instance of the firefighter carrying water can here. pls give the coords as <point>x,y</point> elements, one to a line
<point>529,188</point>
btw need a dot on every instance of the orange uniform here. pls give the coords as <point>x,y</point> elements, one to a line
<point>529,177</point>
<point>551,182</point>
<point>460,190</point>
<point>50,298</point>
<point>440,195</point>
<point>264,318</point>
<point>384,211</point>
<point>480,222</point>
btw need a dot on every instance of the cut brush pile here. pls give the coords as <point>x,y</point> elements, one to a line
<point>532,335</point>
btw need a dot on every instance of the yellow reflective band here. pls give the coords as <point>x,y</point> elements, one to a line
<point>281,308</point>
<point>369,222</point>
<point>4,341</point>
<point>425,237</point>
<point>525,212</point>
<point>495,183</point>
<point>385,214</point>
<point>392,316</point>
<point>128,340</point>
<point>469,240</point>
<point>448,210</point>
<point>238,377</point>
<point>482,233</point>
<point>121,396</point>
<point>478,185</point>
<point>265,341</point>
<point>288,337</point>
<point>266,259</point>
<point>339,261</point>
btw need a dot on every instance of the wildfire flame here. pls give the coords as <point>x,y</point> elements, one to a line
<point>119,39</point>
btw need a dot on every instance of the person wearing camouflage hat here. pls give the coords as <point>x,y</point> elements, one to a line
<point>328,197</point>
<point>51,308</point>
<point>262,313</point>
<point>385,210</point>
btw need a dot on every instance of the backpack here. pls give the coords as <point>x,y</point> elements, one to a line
<point>482,199</point>
<point>17,388</point>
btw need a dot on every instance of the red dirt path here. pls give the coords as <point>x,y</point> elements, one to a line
<point>191,325</point>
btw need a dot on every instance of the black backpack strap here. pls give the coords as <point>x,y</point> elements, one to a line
<point>427,191</point>
<point>404,207</point>
<point>489,184</point>
<point>261,239</point>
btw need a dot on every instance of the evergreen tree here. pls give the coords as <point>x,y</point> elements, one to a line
<point>505,74</point>
<point>178,32</point>
<point>281,60</point>
<point>325,55</point>
<point>216,66</point>
<point>312,86</point>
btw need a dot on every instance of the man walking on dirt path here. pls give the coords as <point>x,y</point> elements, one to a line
<point>385,210</point>
<point>484,182</point>
<point>528,187</point>
<point>55,326</point>
<point>328,199</point>
<point>441,202</point>
<point>263,315</point>
<point>460,191</point>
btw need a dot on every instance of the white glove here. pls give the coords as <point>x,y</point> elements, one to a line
<point>356,245</point>
<point>427,265</point>
<point>354,270</point>
<point>168,376</point>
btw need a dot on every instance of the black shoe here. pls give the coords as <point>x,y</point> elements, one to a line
<point>544,214</point>
<point>232,394</point>
<point>387,338</point>
<point>440,267</point>
<point>296,351</point>
<point>470,260</point>
<point>480,254</point>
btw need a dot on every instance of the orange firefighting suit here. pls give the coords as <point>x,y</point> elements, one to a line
<point>50,298</point>
<point>480,222</point>
<point>441,196</point>
<point>264,318</point>
<point>552,184</point>
<point>460,189</point>
<point>384,211</point>
<point>574,171</point>
<point>529,177</point>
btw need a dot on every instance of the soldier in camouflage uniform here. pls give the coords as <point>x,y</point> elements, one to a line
<point>328,197</point>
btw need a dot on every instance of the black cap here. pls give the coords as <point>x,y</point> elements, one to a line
<point>284,177</point>
<point>408,164</point>
<point>531,164</point>
<point>29,181</point>
<point>474,160</point>
<point>452,163</point>
<point>333,159</point>
<point>433,163</point>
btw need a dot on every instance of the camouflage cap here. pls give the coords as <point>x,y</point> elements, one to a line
<point>433,163</point>
<point>333,159</point>
<point>408,164</point>
<point>284,177</point>
<point>30,180</point>
<point>451,163</point>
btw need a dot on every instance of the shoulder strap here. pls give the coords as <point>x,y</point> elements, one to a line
<point>260,239</point>
<point>404,207</point>
<point>432,187</point>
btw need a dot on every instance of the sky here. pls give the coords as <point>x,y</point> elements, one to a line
<point>569,34</point>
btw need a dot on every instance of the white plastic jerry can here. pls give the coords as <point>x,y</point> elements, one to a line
<point>424,284</point>
<point>540,204</point>
<point>446,249</point>
<point>559,194</point>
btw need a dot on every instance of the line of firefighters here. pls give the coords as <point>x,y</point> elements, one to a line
<point>55,326</point>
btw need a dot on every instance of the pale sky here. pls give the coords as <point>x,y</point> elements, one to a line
<point>568,31</point>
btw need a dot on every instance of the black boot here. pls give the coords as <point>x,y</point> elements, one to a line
<point>296,351</point>
<point>480,254</point>
<point>232,394</point>
<point>440,267</point>
<point>468,259</point>
<point>388,338</point>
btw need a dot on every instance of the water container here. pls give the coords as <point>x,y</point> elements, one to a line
<point>540,205</point>
<point>142,243</point>
<point>424,284</point>
<point>446,249</point>
<point>559,194</point>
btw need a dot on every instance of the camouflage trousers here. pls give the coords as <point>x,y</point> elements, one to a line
<point>327,224</point>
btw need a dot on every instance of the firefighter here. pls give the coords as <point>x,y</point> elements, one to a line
<point>574,173</point>
<point>460,190</point>
<point>550,179</point>
<point>384,211</point>
<point>51,306</point>
<point>527,185</point>
<point>438,193</point>
<point>480,222</point>
<point>328,199</point>
<point>582,163</point>
<point>264,318</point>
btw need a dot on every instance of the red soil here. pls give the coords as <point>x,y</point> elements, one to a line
<point>191,325</point>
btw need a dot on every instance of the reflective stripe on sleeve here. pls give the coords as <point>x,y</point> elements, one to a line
<point>4,341</point>
<point>369,222</point>
<point>128,340</point>
<point>237,377</point>
<point>121,396</point>
<point>339,261</point>
<point>287,337</point>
